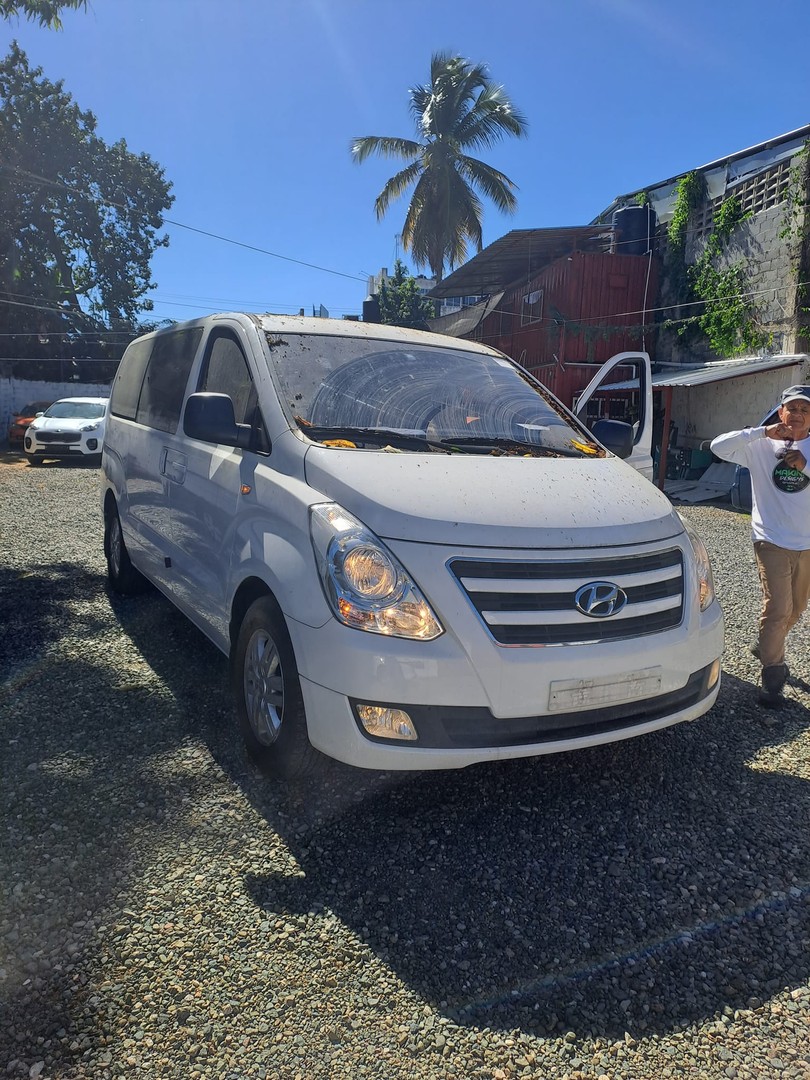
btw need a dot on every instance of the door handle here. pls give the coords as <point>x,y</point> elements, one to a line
<point>174,465</point>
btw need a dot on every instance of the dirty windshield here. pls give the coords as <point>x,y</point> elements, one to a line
<point>355,393</point>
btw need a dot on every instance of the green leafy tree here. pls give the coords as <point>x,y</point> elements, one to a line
<point>460,110</point>
<point>45,12</point>
<point>401,303</point>
<point>79,219</point>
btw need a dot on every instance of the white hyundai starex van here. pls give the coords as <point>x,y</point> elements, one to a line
<point>413,554</point>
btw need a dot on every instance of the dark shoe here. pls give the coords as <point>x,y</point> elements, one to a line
<point>769,700</point>
<point>774,678</point>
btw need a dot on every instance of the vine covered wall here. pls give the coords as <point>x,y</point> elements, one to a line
<point>735,252</point>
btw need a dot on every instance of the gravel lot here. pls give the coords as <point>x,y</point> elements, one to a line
<point>634,911</point>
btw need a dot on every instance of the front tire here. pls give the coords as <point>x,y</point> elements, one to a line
<point>121,574</point>
<point>269,703</point>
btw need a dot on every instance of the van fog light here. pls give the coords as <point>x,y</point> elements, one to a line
<point>387,723</point>
<point>714,673</point>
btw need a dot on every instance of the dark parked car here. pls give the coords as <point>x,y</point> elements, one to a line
<point>22,419</point>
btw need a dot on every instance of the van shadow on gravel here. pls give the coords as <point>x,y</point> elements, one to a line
<point>626,888</point>
<point>633,887</point>
<point>81,809</point>
<point>34,602</point>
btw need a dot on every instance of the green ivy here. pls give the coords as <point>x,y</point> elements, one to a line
<point>728,320</point>
<point>793,221</point>
<point>689,191</point>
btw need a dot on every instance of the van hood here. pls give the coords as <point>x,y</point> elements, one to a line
<point>482,501</point>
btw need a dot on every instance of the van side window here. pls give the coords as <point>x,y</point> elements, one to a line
<point>129,380</point>
<point>225,371</point>
<point>164,387</point>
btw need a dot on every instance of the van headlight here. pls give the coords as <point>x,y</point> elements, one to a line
<point>703,568</point>
<point>366,586</point>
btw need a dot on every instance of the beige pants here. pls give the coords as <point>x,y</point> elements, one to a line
<point>785,579</point>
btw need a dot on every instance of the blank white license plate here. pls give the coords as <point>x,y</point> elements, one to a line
<point>568,694</point>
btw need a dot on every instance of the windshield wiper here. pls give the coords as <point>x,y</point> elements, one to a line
<point>377,435</point>
<point>493,442</point>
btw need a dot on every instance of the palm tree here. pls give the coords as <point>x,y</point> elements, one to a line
<point>458,111</point>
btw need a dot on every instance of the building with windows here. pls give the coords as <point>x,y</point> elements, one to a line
<point>425,285</point>
<point>562,301</point>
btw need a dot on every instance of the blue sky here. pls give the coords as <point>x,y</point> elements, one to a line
<point>250,106</point>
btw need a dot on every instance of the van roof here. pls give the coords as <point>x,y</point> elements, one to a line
<point>303,324</point>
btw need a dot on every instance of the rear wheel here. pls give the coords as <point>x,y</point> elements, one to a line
<point>121,574</point>
<point>269,703</point>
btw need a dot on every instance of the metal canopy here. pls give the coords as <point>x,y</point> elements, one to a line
<point>702,375</point>
<point>519,256</point>
<point>699,374</point>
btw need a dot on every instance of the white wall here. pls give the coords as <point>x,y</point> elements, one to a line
<point>701,412</point>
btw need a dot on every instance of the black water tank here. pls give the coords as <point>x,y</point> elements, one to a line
<point>633,230</point>
<point>371,308</point>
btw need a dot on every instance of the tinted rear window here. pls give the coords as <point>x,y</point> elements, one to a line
<point>129,379</point>
<point>152,376</point>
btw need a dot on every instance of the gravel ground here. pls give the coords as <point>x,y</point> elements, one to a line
<point>633,911</point>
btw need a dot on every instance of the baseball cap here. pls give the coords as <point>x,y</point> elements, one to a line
<point>795,393</point>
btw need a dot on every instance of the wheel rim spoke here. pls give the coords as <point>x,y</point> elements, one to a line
<point>115,545</point>
<point>264,687</point>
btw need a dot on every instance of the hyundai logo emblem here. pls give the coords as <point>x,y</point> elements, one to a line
<point>600,599</point>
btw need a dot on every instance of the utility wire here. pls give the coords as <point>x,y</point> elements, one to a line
<point>17,173</point>
<point>561,322</point>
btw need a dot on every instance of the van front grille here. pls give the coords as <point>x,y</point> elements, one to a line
<point>534,603</point>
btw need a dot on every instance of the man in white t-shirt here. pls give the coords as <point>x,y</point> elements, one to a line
<point>777,456</point>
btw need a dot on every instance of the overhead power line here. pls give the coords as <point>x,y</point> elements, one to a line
<point>560,321</point>
<point>16,173</point>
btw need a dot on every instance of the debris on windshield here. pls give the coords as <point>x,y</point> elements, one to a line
<point>349,394</point>
<point>586,448</point>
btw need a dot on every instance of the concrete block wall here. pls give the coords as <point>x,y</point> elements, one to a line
<point>15,393</point>
<point>771,261</point>
<point>701,412</point>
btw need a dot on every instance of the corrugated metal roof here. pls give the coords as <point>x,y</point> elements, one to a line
<point>519,256</point>
<point>698,374</point>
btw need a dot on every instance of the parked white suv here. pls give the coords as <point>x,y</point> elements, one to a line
<point>413,554</point>
<point>71,427</point>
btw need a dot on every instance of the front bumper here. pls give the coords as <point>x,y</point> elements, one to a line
<point>84,447</point>
<point>475,708</point>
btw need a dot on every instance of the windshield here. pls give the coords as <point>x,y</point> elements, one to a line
<point>76,410</point>
<point>351,392</point>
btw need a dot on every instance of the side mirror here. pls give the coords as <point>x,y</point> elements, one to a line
<point>209,418</point>
<point>615,436</point>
